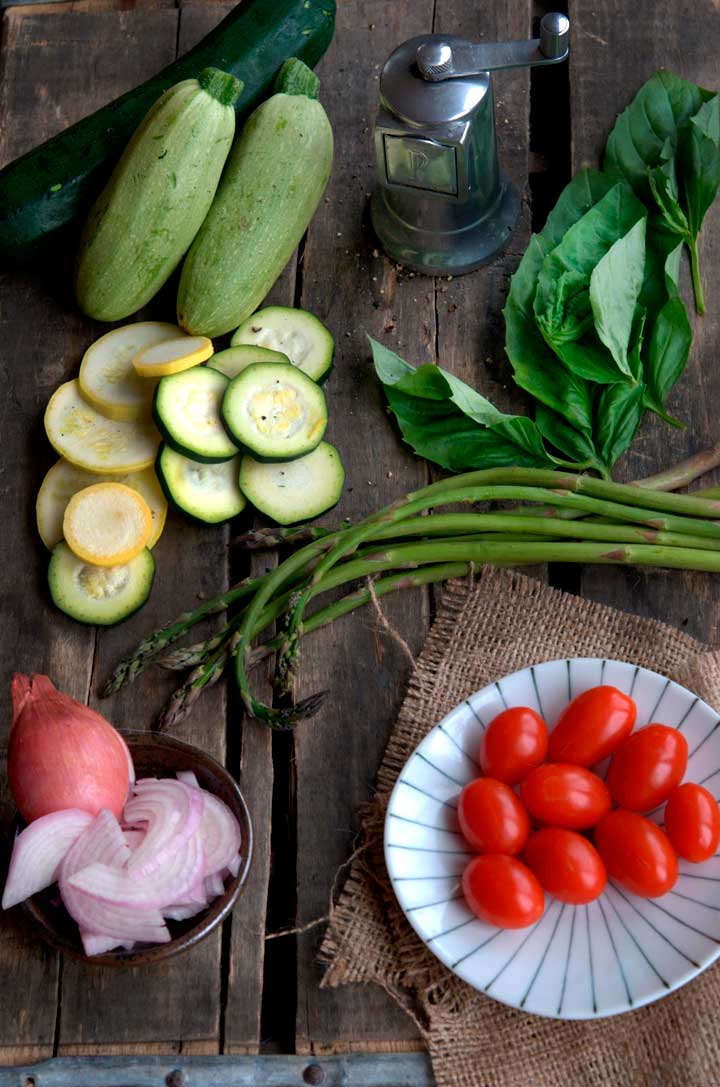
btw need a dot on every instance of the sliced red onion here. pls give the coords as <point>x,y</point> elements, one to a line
<point>234,866</point>
<point>124,923</point>
<point>214,886</point>
<point>166,884</point>
<point>181,913</point>
<point>38,852</point>
<point>172,812</point>
<point>188,778</point>
<point>94,943</point>
<point>195,896</point>
<point>102,840</point>
<point>220,833</point>
<point>133,836</point>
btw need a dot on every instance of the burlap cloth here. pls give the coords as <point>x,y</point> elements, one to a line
<point>503,623</point>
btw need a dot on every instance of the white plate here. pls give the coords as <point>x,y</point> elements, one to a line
<point>576,962</point>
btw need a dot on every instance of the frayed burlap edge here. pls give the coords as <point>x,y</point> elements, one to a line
<point>505,622</point>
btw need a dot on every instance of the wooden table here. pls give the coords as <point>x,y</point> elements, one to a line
<point>236,994</point>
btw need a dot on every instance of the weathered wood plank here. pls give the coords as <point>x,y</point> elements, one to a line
<point>116,50</point>
<point>47,82</point>
<point>245,981</point>
<point>351,287</point>
<point>611,57</point>
<point>360,1070</point>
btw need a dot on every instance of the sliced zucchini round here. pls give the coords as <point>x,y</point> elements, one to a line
<point>275,411</point>
<point>295,332</point>
<point>107,377</point>
<point>172,356</point>
<point>88,440</point>
<point>187,412</point>
<point>205,492</point>
<point>233,360</point>
<point>103,595</point>
<point>64,480</point>
<point>298,490</point>
<point>107,524</point>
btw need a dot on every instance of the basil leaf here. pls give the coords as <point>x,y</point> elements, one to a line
<point>535,367</point>
<point>449,423</point>
<point>538,371</point>
<point>666,144</point>
<point>590,359</point>
<point>557,431</point>
<point>668,334</point>
<point>615,286</point>
<point>648,130</point>
<point>562,303</point>
<point>619,413</point>
<point>700,155</point>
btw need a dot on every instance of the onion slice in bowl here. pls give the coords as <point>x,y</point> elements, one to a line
<point>125,923</point>
<point>104,841</point>
<point>94,943</point>
<point>166,884</point>
<point>38,853</point>
<point>172,812</point>
<point>214,886</point>
<point>220,834</point>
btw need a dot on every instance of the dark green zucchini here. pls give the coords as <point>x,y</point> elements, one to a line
<point>51,187</point>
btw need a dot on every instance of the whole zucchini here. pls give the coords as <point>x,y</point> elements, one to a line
<point>144,220</point>
<point>47,191</point>
<point>273,181</point>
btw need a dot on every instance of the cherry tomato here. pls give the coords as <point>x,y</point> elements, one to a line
<point>692,822</point>
<point>567,865</point>
<point>648,766</point>
<point>514,743</point>
<point>492,818</point>
<point>637,853</point>
<point>502,891</point>
<point>592,726</point>
<point>560,795</point>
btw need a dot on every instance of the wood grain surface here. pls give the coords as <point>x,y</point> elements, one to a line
<point>235,993</point>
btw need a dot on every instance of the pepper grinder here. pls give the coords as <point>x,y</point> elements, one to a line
<point>442,205</point>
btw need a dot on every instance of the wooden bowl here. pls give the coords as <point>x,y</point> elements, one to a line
<point>158,756</point>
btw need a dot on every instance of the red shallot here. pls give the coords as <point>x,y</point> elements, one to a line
<point>62,754</point>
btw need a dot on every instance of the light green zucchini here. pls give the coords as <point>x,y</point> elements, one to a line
<point>152,207</point>
<point>272,184</point>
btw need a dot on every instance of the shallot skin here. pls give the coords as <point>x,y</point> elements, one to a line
<point>62,754</point>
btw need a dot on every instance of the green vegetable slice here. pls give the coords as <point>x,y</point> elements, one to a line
<point>187,413</point>
<point>296,333</point>
<point>102,595</point>
<point>275,411</point>
<point>297,490</point>
<point>234,360</point>
<point>205,492</point>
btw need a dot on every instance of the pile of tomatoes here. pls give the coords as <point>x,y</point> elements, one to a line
<point>571,827</point>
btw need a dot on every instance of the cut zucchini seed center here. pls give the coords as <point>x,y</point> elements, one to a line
<point>102,582</point>
<point>293,344</point>
<point>277,410</point>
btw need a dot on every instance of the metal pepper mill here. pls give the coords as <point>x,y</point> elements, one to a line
<point>442,205</point>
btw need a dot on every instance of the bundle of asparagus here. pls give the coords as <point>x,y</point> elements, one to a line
<point>572,518</point>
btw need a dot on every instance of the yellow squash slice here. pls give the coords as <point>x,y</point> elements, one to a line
<point>88,440</point>
<point>107,377</point>
<point>107,524</point>
<point>64,480</point>
<point>172,356</point>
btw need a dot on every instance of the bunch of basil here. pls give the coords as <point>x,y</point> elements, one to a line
<point>596,330</point>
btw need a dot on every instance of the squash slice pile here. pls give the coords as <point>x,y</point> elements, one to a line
<point>147,423</point>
